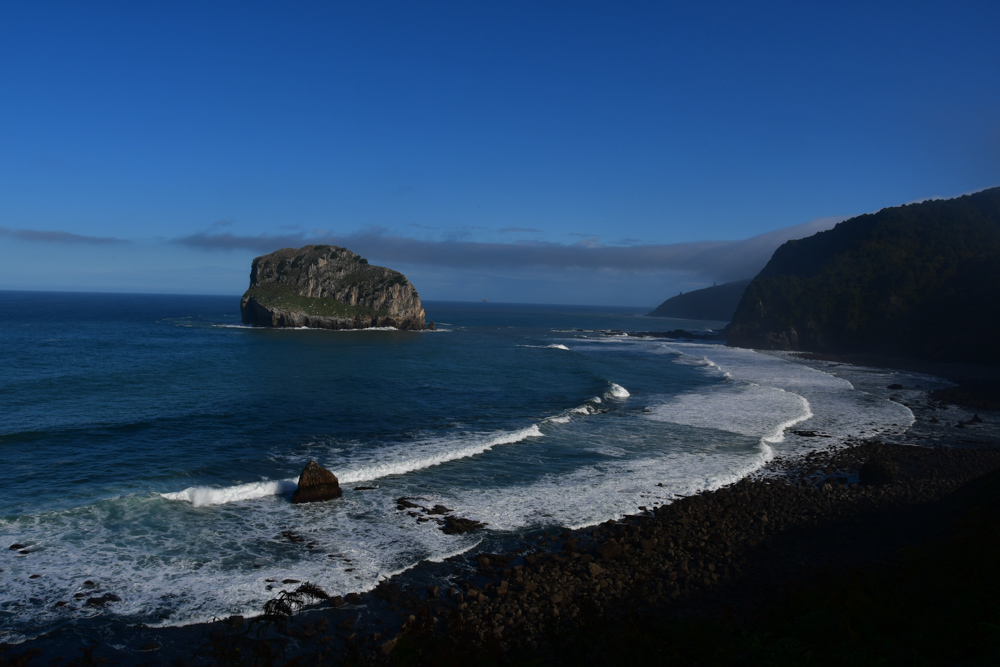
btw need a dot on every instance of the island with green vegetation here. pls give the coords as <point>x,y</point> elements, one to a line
<point>328,287</point>
<point>917,281</point>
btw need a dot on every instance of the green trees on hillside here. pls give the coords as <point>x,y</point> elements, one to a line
<point>919,280</point>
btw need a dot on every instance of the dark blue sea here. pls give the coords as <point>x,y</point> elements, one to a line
<point>149,444</point>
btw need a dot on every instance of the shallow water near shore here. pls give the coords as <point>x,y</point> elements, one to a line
<point>149,443</point>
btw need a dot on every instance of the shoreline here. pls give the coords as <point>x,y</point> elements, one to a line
<point>731,548</point>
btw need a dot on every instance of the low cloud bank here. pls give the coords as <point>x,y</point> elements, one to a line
<point>44,236</point>
<point>714,260</point>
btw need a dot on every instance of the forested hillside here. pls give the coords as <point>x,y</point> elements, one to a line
<point>919,280</point>
<point>711,303</point>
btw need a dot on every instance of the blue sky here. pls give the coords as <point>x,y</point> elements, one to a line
<point>562,152</point>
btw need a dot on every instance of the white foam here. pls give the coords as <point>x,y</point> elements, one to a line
<point>458,552</point>
<point>207,495</point>
<point>587,408</point>
<point>742,408</point>
<point>590,407</point>
<point>554,346</point>
<point>835,406</point>
<point>436,451</point>
<point>617,391</point>
<point>328,329</point>
<point>615,487</point>
<point>390,461</point>
<point>173,564</point>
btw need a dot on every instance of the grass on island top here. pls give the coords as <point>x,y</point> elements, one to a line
<point>281,297</point>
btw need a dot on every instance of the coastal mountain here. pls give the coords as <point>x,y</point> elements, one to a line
<point>328,287</point>
<point>711,303</point>
<point>920,281</point>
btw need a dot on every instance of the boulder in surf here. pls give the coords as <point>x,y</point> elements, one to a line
<point>316,484</point>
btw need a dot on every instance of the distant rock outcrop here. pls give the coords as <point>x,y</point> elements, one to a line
<point>328,287</point>
<point>919,281</point>
<point>316,484</point>
<point>716,303</point>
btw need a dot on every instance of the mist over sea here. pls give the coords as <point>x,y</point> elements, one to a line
<point>149,444</point>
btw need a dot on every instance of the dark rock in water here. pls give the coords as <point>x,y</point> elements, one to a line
<point>328,287</point>
<point>406,503</point>
<point>878,471</point>
<point>316,483</point>
<point>352,598</point>
<point>895,386</point>
<point>103,600</point>
<point>976,419</point>
<point>810,434</point>
<point>16,546</point>
<point>364,488</point>
<point>456,526</point>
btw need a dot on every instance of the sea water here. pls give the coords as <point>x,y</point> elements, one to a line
<point>149,444</point>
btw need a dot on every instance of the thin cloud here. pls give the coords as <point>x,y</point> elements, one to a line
<point>714,260</point>
<point>519,230</point>
<point>48,236</point>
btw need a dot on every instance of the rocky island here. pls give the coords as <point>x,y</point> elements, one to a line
<point>328,287</point>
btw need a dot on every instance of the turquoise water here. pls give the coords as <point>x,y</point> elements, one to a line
<point>149,443</point>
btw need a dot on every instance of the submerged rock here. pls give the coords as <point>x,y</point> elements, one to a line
<point>328,287</point>
<point>316,483</point>
<point>103,600</point>
<point>456,525</point>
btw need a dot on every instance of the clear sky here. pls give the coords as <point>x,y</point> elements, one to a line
<point>562,152</point>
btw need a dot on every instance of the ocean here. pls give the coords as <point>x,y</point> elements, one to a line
<point>149,444</point>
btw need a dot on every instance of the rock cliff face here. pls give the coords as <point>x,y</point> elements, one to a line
<point>917,281</point>
<point>328,287</point>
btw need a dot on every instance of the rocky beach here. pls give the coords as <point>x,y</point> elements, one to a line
<point>730,556</point>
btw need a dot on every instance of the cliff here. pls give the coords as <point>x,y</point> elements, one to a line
<point>917,281</point>
<point>711,303</point>
<point>328,287</point>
